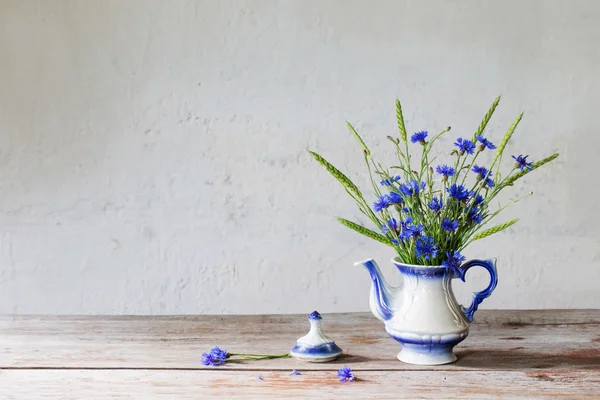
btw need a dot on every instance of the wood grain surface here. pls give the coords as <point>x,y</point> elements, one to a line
<point>508,354</point>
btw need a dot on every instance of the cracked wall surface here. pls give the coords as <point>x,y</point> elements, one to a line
<point>153,154</point>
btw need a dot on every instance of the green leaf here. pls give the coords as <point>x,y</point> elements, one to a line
<point>495,229</point>
<point>506,138</point>
<point>366,232</point>
<point>337,174</point>
<point>400,118</point>
<point>487,118</point>
<point>358,138</point>
<point>511,180</point>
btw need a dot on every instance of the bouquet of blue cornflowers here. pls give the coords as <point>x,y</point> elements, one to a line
<point>431,213</point>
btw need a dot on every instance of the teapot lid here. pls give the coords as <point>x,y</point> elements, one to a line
<point>315,346</point>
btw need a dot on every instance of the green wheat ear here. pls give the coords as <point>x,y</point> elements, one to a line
<point>400,119</point>
<point>358,138</point>
<point>506,138</point>
<point>337,174</point>
<point>486,118</point>
<point>366,232</point>
<point>493,230</point>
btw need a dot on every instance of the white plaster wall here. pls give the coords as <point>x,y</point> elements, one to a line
<point>153,153</point>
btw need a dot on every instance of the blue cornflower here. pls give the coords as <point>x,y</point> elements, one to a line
<point>412,187</point>
<point>392,225</point>
<point>209,359</point>
<point>436,204</point>
<point>419,137</point>
<point>482,172</point>
<point>478,199</point>
<point>395,198</point>
<point>465,146</point>
<point>521,162</point>
<point>409,230</point>
<point>449,224</point>
<point>381,203</point>
<point>474,215</point>
<point>426,248</point>
<point>416,230</point>
<point>405,235</point>
<point>346,374</point>
<point>445,170</point>
<point>295,372</point>
<point>406,189</point>
<point>453,260</point>
<point>216,356</point>
<point>458,192</point>
<point>485,143</point>
<point>219,354</point>
<point>406,229</point>
<point>388,182</point>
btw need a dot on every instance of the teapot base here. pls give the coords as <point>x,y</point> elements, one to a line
<point>427,355</point>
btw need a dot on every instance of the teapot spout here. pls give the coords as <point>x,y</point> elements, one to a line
<point>382,295</point>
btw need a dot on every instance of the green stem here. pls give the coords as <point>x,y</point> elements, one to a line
<point>470,166</point>
<point>456,167</point>
<point>488,218</point>
<point>410,171</point>
<point>499,185</point>
<point>401,159</point>
<point>259,356</point>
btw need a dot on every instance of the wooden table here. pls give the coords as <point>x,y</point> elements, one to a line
<point>509,354</point>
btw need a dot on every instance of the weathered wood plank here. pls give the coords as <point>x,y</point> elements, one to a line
<point>168,384</point>
<point>499,340</point>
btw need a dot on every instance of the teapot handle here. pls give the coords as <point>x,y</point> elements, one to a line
<point>478,297</point>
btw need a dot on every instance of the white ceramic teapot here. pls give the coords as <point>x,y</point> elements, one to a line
<point>422,313</point>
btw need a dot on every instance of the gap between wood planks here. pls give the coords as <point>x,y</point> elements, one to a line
<point>220,370</point>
